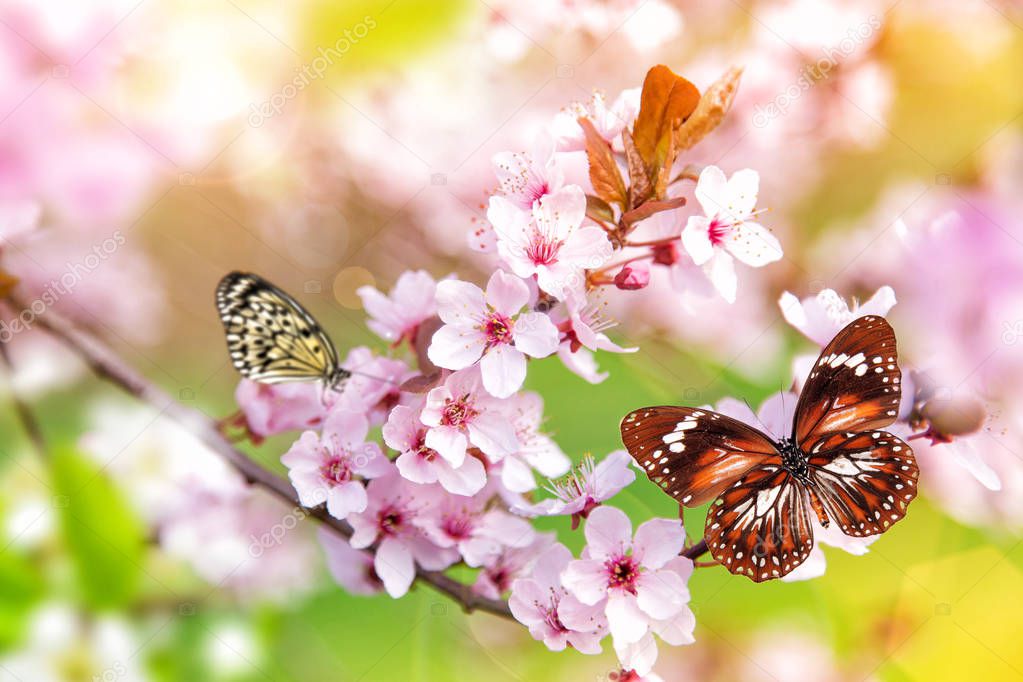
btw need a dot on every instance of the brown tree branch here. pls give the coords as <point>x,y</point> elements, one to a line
<point>108,365</point>
<point>25,415</point>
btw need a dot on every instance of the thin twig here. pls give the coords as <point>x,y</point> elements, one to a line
<point>699,549</point>
<point>25,415</point>
<point>107,365</point>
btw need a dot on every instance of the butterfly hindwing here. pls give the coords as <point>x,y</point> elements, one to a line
<point>760,526</point>
<point>271,338</point>
<point>693,454</point>
<point>854,385</point>
<point>864,480</point>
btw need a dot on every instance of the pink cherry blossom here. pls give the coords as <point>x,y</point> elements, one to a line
<point>351,568</point>
<point>490,326</point>
<point>609,121</point>
<point>631,577</point>
<point>822,316</point>
<point>526,178</point>
<point>550,242</point>
<point>374,387</point>
<point>459,412</point>
<point>238,539</point>
<point>419,463</point>
<point>585,488</point>
<point>639,657</point>
<point>478,534</point>
<point>725,230</point>
<point>395,317</point>
<point>271,409</point>
<point>536,450</point>
<point>325,467</point>
<point>540,602</point>
<point>582,332</point>
<point>512,563</point>
<point>390,521</point>
<point>665,228</point>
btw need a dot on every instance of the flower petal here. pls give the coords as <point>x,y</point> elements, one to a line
<point>753,244</point>
<point>493,434</point>
<point>625,620</point>
<point>467,479</point>
<point>661,594</point>
<point>535,335</point>
<point>394,566</point>
<point>504,369</point>
<point>460,303</point>
<point>712,191</point>
<point>696,239</point>
<point>608,532</point>
<point>721,272</point>
<point>586,579</point>
<point>455,347</point>
<point>657,542</point>
<point>449,442</point>
<point>678,630</point>
<point>347,498</point>
<point>507,294</point>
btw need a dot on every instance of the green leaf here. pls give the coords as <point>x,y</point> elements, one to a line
<point>20,588</point>
<point>101,531</point>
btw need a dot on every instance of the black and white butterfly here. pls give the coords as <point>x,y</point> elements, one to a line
<point>837,464</point>
<point>271,338</point>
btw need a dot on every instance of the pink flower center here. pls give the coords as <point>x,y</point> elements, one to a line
<point>421,449</point>
<point>458,527</point>
<point>336,470</point>
<point>717,231</point>
<point>498,329</point>
<point>622,572</point>
<point>550,615</point>
<point>543,250</point>
<point>457,411</point>
<point>391,520</point>
<point>537,191</point>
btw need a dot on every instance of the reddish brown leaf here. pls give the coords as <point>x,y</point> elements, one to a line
<point>604,174</point>
<point>640,187</point>
<point>666,101</point>
<point>599,210</point>
<point>713,106</point>
<point>649,208</point>
<point>7,283</point>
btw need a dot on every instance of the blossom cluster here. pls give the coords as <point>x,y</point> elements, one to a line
<point>453,478</point>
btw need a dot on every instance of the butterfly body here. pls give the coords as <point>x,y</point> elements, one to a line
<point>837,464</point>
<point>271,338</point>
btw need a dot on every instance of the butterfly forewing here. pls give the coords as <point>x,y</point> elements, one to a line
<point>694,454</point>
<point>271,338</point>
<point>864,480</point>
<point>760,527</point>
<point>854,385</point>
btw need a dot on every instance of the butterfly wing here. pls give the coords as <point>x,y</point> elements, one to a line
<point>855,384</point>
<point>760,526</point>
<point>271,338</point>
<point>865,480</point>
<point>864,477</point>
<point>694,454</point>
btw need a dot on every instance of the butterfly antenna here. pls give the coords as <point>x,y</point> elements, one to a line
<point>372,376</point>
<point>757,417</point>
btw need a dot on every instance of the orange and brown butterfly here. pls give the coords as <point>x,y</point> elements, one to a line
<point>838,463</point>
